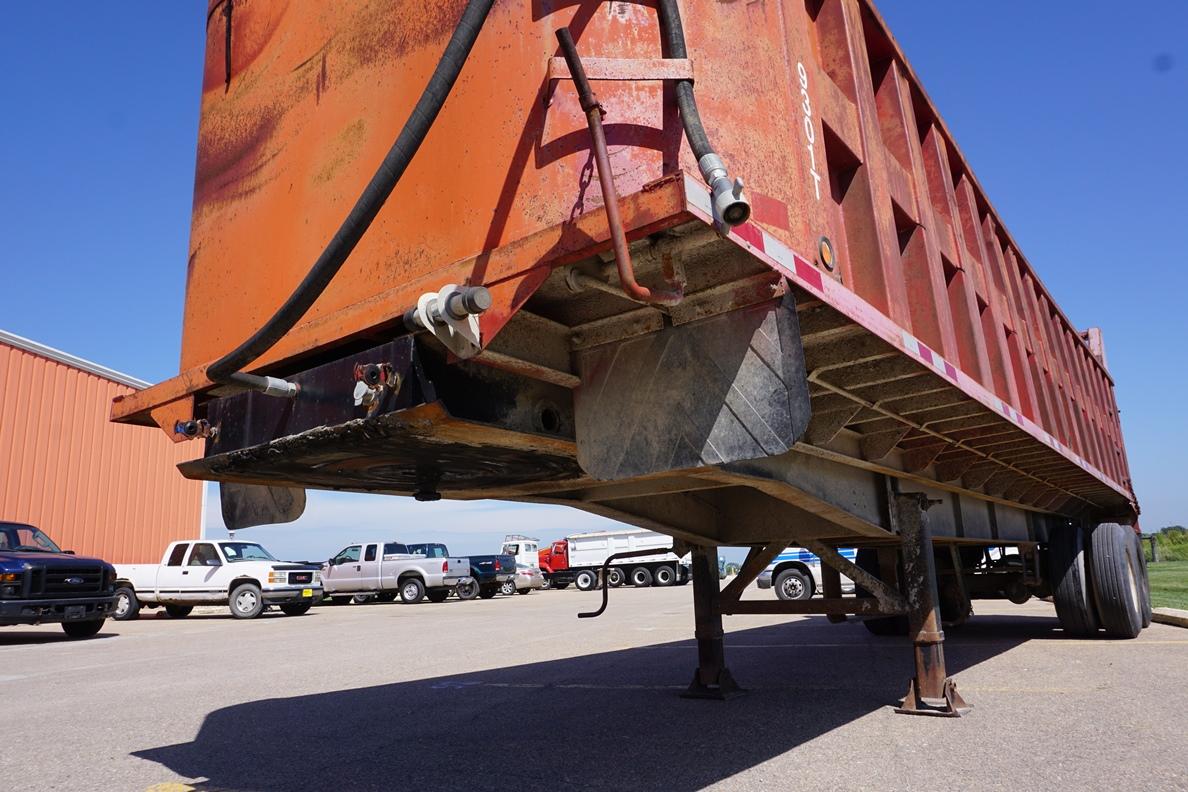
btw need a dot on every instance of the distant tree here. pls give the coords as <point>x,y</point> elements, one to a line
<point>1174,529</point>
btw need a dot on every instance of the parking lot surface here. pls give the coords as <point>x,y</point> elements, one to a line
<point>517,694</point>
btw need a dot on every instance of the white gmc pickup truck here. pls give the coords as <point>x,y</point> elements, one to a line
<point>242,575</point>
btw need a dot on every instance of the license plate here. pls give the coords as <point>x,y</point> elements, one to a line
<point>75,612</point>
<point>307,592</point>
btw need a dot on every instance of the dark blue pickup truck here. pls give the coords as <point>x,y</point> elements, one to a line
<point>40,584</point>
<point>489,571</point>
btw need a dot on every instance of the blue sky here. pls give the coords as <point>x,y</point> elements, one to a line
<point>1074,116</point>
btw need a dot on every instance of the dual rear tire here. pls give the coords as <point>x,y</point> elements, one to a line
<point>1099,581</point>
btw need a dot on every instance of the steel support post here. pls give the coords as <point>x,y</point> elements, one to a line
<point>831,589</point>
<point>931,692</point>
<point>711,680</point>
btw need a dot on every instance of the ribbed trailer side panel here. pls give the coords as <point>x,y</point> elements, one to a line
<point>96,488</point>
<point>820,113</point>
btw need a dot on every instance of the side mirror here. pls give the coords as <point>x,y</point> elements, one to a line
<point>332,561</point>
<point>213,562</point>
<point>68,552</point>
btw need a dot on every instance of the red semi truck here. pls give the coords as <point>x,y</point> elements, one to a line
<point>579,558</point>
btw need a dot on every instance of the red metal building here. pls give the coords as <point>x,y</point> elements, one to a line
<point>96,487</point>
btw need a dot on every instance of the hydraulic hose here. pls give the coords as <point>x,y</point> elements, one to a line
<point>226,370</point>
<point>730,206</point>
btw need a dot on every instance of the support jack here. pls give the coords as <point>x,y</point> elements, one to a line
<point>950,706</point>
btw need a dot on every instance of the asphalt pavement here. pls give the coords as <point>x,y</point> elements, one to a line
<point>517,694</point>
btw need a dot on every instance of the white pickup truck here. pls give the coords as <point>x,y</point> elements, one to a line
<point>242,575</point>
<point>386,569</point>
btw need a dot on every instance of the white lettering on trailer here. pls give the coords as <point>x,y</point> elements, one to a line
<point>810,128</point>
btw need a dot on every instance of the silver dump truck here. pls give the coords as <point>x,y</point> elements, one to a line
<point>386,570</point>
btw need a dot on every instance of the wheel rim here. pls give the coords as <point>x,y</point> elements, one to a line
<point>793,587</point>
<point>1132,581</point>
<point>123,604</point>
<point>246,601</point>
<point>584,580</point>
<point>663,576</point>
<point>509,588</point>
<point>638,578</point>
<point>410,591</point>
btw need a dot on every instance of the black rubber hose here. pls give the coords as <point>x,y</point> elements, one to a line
<point>225,369</point>
<point>674,45</point>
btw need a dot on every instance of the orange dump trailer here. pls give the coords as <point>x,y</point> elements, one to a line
<point>715,269</point>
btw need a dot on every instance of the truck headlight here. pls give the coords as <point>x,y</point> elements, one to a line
<point>277,577</point>
<point>10,577</point>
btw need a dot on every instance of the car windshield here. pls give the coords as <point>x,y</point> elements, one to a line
<point>246,551</point>
<point>14,536</point>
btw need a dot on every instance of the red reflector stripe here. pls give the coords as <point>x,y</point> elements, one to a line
<point>751,234</point>
<point>809,274</point>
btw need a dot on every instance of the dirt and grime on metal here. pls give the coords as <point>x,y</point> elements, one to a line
<point>462,694</point>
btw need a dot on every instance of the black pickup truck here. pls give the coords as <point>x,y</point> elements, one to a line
<point>40,584</point>
<point>489,571</point>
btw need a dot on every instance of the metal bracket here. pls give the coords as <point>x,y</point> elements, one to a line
<point>888,598</point>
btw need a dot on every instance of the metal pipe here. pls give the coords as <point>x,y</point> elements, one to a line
<point>606,179</point>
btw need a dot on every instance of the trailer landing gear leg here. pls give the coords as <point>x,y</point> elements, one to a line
<point>711,680</point>
<point>930,692</point>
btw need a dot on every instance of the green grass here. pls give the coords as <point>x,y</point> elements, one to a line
<point>1169,584</point>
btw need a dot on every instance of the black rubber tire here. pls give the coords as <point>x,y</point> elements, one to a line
<point>615,577</point>
<point>386,596</point>
<point>640,577</point>
<point>524,591</point>
<point>82,629</point>
<point>296,608</point>
<point>133,609</point>
<point>437,595</point>
<point>507,588</point>
<point>1068,569</point>
<point>487,592</point>
<point>792,584</point>
<point>664,575</point>
<point>867,559</point>
<point>467,591</point>
<point>586,580</point>
<point>560,586</point>
<point>339,600</point>
<point>412,591</point>
<point>1117,580</point>
<point>242,611</point>
<point>362,599</point>
<point>1145,585</point>
<point>179,611</point>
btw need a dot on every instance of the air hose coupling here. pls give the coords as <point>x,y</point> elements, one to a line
<point>731,207</point>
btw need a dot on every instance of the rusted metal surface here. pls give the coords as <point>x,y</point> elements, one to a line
<point>931,691</point>
<point>936,355</point>
<point>95,487</point>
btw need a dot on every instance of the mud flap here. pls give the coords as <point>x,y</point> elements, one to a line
<point>725,389</point>
<point>248,505</point>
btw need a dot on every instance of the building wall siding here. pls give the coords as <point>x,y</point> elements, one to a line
<point>97,488</point>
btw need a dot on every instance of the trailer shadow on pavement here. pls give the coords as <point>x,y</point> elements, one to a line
<point>611,720</point>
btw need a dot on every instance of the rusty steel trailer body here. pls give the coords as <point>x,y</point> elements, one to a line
<point>853,353</point>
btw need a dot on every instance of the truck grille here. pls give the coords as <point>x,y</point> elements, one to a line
<point>301,577</point>
<point>71,581</point>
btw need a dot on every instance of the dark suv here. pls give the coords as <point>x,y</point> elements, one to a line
<point>41,584</point>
